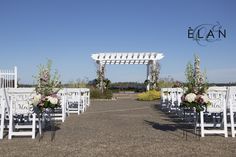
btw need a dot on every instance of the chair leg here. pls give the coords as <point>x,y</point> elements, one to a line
<point>232,123</point>
<point>225,123</point>
<point>33,126</point>
<point>1,131</point>
<point>63,114</point>
<point>202,123</point>
<point>40,126</point>
<point>2,124</point>
<point>10,127</point>
<point>78,111</point>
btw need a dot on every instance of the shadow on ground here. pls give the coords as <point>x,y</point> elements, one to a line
<point>162,127</point>
<point>173,121</point>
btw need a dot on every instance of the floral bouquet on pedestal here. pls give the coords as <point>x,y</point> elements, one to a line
<point>47,87</point>
<point>195,95</point>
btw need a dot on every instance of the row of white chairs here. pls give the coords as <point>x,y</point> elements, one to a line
<point>17,113</point>
<point>76,99</point>
<point>171,98</point>
<point>216,118</point>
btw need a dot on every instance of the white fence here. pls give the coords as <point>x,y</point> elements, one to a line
<point>8,78</point>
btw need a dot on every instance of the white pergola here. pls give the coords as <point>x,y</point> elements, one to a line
<point>148,58</point>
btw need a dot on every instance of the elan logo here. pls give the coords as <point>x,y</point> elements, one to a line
<point>206,33</point>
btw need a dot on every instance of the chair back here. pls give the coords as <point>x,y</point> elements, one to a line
<point>232,98</point>
<point>20,100</point>
<point>218,101</point>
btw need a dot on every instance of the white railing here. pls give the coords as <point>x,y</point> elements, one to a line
<point>8,78</point>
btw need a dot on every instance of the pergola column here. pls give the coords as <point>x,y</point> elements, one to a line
<point>101,75</point>
<point>148,77</point>
<point>154,74</point>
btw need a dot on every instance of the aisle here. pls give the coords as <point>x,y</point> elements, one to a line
<point>119,128</point>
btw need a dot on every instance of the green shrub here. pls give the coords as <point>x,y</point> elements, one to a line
<point>97,94</point>
<point>94,94</point>
<point>149,95</point>
<point>107,94</point>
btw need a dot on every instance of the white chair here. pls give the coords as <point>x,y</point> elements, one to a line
<point>2,113</point>
<point>169,98</point>
<point>175,98</point>
<point>164,97</point>
<point>179,94</point>
<point>85,95</point>
<point>20,107</point>
<point>61,111</point>
<point>73,100</point>
<point>83,102</point>
<point>218,106</point>
<point>232,108</point>
<point>217,89</point>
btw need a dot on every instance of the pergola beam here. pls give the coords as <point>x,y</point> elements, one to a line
<point>126,58</point>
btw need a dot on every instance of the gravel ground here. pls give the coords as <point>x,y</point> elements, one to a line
<point>124,127</point>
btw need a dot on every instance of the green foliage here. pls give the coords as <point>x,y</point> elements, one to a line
<point>107,83</point>
<point>146,82</point>
<point>192,82</point>
<point>47,83</point>
<point>149,95</point>
<point>107,94</point>
<point>168,83</point>
<point>195,105</point>
<point>189,74</point>
<point>97,94</point>
<point>127,86</point>
<point>77,84</point>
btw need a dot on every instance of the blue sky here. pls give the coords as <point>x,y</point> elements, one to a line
<point>69,31</point>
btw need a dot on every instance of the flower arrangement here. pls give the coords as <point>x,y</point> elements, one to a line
<point>195,95</point>
<point>197,101</point>
<point>47,87</point>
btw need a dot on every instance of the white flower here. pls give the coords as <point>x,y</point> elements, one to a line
<point>52,100</point>
<point>205,98</point>
<point>190,97</point>
<point>37,99</point>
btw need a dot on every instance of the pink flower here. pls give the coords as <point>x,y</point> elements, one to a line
<point>199,99</point>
